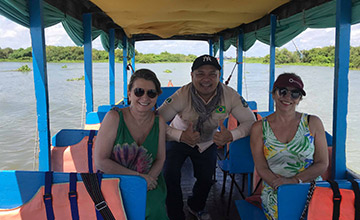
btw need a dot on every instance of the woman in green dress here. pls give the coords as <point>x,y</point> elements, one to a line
<point>288,146</point>
<point>131,141</point>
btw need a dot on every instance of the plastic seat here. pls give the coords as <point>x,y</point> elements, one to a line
<point>239,161</point>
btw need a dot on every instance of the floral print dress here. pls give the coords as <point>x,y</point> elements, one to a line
<point>140,158</point>
<point>286,159</point>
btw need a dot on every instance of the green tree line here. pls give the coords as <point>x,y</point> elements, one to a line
<point>315,56</point>
<point>66,54</point>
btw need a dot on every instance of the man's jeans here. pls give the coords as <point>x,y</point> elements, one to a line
<point>204,166</point>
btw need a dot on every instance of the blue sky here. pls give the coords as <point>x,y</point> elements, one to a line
<point>16,36</point>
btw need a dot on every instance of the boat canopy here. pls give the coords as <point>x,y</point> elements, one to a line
<point>187,19</point>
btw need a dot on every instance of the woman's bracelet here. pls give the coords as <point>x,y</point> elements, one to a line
<point>298,179</point>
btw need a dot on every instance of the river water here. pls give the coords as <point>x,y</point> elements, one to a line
<point>18,129</point>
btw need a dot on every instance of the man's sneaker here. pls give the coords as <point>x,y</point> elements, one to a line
<point>201,215</point>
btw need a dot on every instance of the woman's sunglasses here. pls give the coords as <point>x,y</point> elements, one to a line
<point>295,94</point>
<point>151,93</point>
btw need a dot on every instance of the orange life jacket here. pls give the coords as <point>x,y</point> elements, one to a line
<point>35,208</point>
<point>328,203</point>
<point>74,158</point>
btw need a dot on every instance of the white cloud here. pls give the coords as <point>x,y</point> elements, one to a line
<point>355,35</point>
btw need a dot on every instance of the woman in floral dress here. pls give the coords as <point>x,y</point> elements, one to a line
<point>131,141</point>
<point>288,146</point>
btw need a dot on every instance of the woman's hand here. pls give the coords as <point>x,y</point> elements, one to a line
<point>281,180</point>
<point>150,180</point>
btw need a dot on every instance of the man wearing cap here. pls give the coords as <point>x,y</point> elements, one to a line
<point>197,110</point>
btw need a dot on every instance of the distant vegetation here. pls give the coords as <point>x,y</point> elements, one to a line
<point>76,54</point>
<point>76,79</point>
<point>315,56</point>
<point>24,68</point>
<point>324,56</point>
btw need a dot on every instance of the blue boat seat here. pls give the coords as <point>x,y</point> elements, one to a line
<point>239,161</point>
<point>166,92</point>
<point>248,211</point>
<point>106,108</point>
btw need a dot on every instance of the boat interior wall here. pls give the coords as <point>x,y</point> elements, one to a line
<point>21,188</point>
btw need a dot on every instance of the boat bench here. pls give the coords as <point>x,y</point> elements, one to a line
<point>72,151</point>
<point>24,196</point>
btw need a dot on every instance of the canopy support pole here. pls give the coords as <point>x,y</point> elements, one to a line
<point>341,87</point>
<point>240,57</point>
<point>272,60</point>
<point>112,66</point>
<point>87,20</point>
<point>40,81</point>
<point>221,57</point>
<point>211,53</point>
<point>126,101</point>
<point>133,57</point>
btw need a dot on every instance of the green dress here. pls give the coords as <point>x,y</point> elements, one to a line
<point>285,159</point>
<point>140,158</point>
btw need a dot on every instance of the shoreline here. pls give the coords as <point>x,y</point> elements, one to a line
<point>232,61</point>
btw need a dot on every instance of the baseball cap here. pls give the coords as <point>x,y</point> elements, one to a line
<point>289,80</point>
<point>205,60</point>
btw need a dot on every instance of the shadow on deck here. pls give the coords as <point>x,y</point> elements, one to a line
<point>216,204</point>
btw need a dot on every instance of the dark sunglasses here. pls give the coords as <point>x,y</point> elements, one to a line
<point>295,94</point>
<point>151,93</point>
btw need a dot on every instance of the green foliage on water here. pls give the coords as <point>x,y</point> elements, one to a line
<point>24,68</point>
<point>64,67</point>
<point>167,71</point>
<point>76,79</point>
<point>316,57</point>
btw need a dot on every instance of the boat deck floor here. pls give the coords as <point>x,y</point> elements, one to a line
<point>216,204</point>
